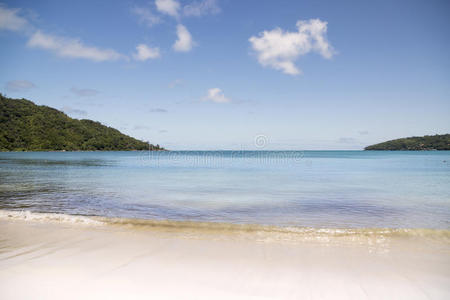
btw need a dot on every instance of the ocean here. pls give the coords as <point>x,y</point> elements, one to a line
<point>306,189</point>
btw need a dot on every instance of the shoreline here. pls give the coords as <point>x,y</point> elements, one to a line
<point>203,227</point>
<point>68,259</point>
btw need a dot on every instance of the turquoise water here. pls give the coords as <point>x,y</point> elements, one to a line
<point>329,189</point>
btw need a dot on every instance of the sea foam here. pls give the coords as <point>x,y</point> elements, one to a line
<point>48,217</point>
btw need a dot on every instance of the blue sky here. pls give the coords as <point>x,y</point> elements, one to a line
<point>211,74</point>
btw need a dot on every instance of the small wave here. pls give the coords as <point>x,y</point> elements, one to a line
<point>266,229</point>
<point>193,228</point>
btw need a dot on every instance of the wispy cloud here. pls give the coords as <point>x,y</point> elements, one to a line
<point>19,85</point>
<point>280,49</point>
<point>10,19</point>
<point>144,52</point>
<point>184,42</point>
<point>73,111</point>
<point>146,16</point>
<point>158,110</point>
<point>200,8</point>
<point>363,132</point>
<point>175,83</point>
<point>84,92</point>
<point>173,8</point>
<point>216,95</point>
<point>169,7</point>
<point>71,48</point>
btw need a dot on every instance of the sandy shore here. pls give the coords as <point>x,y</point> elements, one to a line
<point>49,260</point>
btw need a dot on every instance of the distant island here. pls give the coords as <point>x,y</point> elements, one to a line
<point>428,142</point>
<point>25,126</point>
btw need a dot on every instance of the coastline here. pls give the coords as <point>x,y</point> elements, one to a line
<point>62,256</point>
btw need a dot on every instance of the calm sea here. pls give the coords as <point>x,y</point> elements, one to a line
<point>329,189</point>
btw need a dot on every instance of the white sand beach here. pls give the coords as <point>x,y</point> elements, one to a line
<point>58,259</point>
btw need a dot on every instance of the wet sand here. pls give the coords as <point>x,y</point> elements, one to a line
<point>50,260</point>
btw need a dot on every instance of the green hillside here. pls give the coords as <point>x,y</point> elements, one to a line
<point>25,126</point>
<point>428,142</point>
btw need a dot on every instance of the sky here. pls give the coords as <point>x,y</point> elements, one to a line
<point>228,74</point>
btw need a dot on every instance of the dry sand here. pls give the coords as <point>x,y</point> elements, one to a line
<point>59,260</point>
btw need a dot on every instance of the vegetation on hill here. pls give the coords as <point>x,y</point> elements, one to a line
<point>428,142</point>
<point>25,126</point>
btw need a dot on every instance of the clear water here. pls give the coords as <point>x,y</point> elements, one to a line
<point>329,189</point>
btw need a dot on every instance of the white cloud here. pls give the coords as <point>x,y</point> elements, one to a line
<point>19,85</point>
<point>10,20</point>
<point>169,7</point>
<point>69,47</point>
<point>62,46</point>
<point>184,41</point>
<point>145,52</point>
<point>146,16</point>
<point>279,49</point>
<point>216,95</point>
<point>200,8</point>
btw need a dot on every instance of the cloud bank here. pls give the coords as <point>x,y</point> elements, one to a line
<point>280,49</point>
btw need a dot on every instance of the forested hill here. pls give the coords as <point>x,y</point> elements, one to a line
<point>428,142</point>
<point>25,126</point>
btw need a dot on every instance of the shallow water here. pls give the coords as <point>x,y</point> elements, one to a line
<point>322,189</point>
